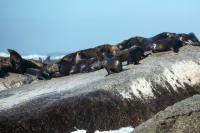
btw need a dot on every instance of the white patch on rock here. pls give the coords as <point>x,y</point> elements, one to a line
<point>121,130</point>
<point>79,131</point>
<point>142,86</point>
<point>181,73</point>
<point>187,72</point>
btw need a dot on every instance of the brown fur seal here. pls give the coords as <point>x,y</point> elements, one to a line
<point>164,35</point>
<point>166,45</point>
<point>135,55</point>
<point>5,65</point>
<point>84,54</point>
<point>112,65</point>
<point>64,68</point>
<point>68,58</point>
<point>110,50</point>
<point>19,64</point>
<point>22,66</point>
<point>82,65</point>
<point>145,43</point>
<point>88,53</point>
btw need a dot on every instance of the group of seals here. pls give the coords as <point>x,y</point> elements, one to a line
<point>16,64</point>
<point>154,43</point>
<point>105,56</point>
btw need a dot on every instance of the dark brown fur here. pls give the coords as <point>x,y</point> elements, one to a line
<point>82,65</point>
<point>131,55</point>
<point>190,39</point>
<point>164,35</point>
<point>112,65</point>
<point>145,43</point>
<point>110,50</point>
<point>22,66</point>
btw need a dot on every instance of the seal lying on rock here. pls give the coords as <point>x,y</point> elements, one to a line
<point>166,45</point>
<point>109,49</point>
<point>145,43</point>
<point>69,65</point>
<point>164,35</point>
<point>19,64</point>
<point>190,39</point>
<point>68,58</point>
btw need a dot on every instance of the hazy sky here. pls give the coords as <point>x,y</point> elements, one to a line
<point>47,26</point>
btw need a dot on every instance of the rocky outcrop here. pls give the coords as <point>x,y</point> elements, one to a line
<point>182,117</point>
<point>14,80</point>
<point>92,101</point>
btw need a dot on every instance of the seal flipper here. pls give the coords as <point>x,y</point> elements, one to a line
<point>47,60</point>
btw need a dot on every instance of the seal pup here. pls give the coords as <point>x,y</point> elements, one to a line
<point>166,45</point>
<point>112,65</point>
<point>82,65</point>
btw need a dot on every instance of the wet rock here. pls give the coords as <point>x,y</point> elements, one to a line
<point>182,117</point>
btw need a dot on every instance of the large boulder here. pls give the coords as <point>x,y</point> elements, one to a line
<point>92,101</point>
<point>182,117</point>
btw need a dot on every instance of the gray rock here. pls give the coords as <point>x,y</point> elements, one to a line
<point>182,117</point>
<point>92,101</point>
<point>14,80</point>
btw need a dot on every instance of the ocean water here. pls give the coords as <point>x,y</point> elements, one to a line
<point>36,56</point>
